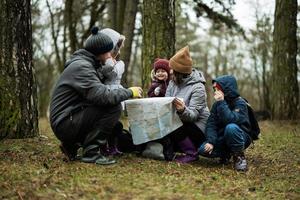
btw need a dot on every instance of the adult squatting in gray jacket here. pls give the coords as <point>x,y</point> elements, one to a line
<point>80,85</point>
<point>83,110</point>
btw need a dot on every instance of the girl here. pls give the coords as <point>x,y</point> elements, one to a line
<point>160,79</point>
<point>114,68</point>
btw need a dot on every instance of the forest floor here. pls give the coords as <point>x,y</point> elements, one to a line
<point>35,169</point>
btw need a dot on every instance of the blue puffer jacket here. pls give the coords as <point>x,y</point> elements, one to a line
<point>231,110</point>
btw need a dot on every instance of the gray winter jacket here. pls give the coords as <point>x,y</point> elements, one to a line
<point>80,85</point>
<point>192,91</point>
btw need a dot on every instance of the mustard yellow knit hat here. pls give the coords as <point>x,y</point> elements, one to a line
<point>181,61</point>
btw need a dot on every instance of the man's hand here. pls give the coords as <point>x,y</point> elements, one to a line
<point>219,95</point>
<point>208,148</point>
<point>137,92</point>
<point>179,105</point>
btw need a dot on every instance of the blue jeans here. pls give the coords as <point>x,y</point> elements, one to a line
<point>233,140</point>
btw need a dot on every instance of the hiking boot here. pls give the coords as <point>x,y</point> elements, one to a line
<point>92,154</point>
<point>240,163</point>
<point>70,151</point>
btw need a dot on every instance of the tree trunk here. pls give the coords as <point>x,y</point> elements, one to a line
<point>121,7</point>
<point>112,16</point>
<point>72,23</point>
<point>133,68</point>
<point>265,84</point>
<point>258,84</point>
<point>55,33</point>
<point>285,91</point>
<point>158,34</point>
<point>208,79</point>
<point>128,31</point>
<point>18,100</point>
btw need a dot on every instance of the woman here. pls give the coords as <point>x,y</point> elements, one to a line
<point>187,85</point>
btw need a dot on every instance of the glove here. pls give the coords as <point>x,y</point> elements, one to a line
<point>157,91</point>
<point>137,92</point>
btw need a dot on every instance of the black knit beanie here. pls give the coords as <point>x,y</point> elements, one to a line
<point>98,43</point>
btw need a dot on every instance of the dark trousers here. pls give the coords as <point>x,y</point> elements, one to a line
<point>79,125</point>
<point>187,130</point>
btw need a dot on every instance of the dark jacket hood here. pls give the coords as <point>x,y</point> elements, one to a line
<point>82,54</point>
<point>229,86</point>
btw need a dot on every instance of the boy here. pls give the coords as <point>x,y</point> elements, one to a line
<point>228,124</point>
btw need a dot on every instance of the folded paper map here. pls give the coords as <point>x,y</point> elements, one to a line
<point>151,118</point>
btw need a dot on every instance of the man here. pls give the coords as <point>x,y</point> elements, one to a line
<point>228,124</point>
<point>84,111</point>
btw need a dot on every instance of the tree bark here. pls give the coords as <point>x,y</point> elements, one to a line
<point>55,33</point>
<point>121,7</point>
<point>158,22</point>
<point>285,90</point>
<point>128,31</point>
<point>112,14</point>
<point>265,84</point>
<point>72,23</point>
<point>18,99</point>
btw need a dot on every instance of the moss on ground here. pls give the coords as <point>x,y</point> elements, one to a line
<point>35,169</point>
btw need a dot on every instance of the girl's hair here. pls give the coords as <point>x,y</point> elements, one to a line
<point>119,45</point>
<point>178,77</point>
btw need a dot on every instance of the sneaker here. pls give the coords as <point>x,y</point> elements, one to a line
<point>98,159</point>
<point>102,160</point>
<point>240,163</point>
<point>92,154</point>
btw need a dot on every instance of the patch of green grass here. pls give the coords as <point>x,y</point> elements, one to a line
<point>35,169</point>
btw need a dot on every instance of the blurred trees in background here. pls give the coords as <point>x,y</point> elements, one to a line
<point>121,17</point>
<point>18,99</point>
<point>217,43</point>
<point>260,44</point>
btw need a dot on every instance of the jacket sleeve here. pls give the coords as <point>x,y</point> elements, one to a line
<point>196,105</point>
<point>211,131</point>
<point>109,72</point>
<point>85,81</point>
<point>238,114</point>
<point>151,90</point>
